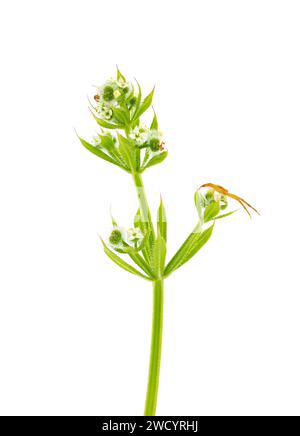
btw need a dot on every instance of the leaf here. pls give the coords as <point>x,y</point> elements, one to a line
<point>115,258</point>
<point>226,214</point>
<point>189,248</point>
<point>126,150</point>
<point>142,264</point>
<point>146,103</point>
<point>104,123</point>
<point>211,211</point>
<point>154,124</point>
<point>162,221</point>
<point>159,255</point>
<point>156,159</point>
<point>120,75</point>
<point>138,223</point>
<point>200,204</point>
<point>99,153</point>
<point>120,116</point>
<point>138,101</point>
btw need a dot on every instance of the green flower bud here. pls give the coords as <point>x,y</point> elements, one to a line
<point>223,202</point>
<point>209,196</point>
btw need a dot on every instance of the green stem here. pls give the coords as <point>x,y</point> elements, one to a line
<point>158,299</point>
<point>143,202</point>
<point>156,342</point>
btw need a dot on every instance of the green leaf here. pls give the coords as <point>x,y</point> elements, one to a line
<point>146,103</point>
<point>200,204</point>
<point>138,223</point>
<point>119,261</point>
<point>120,116</point>
<point>98,152</point>
<point>104,123</point>
<point>162,221</point>
<point>127,151</point>
<point>211,211</point>
<point>159,255</point>
<point>225,214</point>
<point>156,159</point>
<point>138,101</point>
<point>189,248</point>
<point>142,264</point>
<point>154,124</point>
<point>120,75</point>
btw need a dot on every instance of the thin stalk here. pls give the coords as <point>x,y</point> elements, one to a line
<point>156,342</point>
<point>157,311</point>
<point>143,202</point>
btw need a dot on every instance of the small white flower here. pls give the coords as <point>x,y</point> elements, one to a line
<point>139,134</point>
<point>117,93</point>
<point>104,111</point>
<point>134,235</point>
<point>217,196</point>
<point>96,140</point>
<point>155,134</point>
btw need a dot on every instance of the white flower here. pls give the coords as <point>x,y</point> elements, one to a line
<point>217,196</point>
<point>134,235</point>
<point>117,93</point>
<point>104,111</point>
<point>139,134</point>
<point>96,140</point>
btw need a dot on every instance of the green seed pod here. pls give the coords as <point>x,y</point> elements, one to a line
<point>108,93</point>
<point>154,144</point>
<point>115,237</point>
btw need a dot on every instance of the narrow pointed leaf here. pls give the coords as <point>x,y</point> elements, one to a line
<point>104,123</point>
<point>154,124</point>
<point>159,255</point>
<point>156,159</point>
<point>143,226</point>
<point>162,221</point>
<point>211,211</point>
<point>225,215</point>
<point>119,261</point>
<point>199,203</point>
<point>189,248</point>
<point>120,75</point>
<point>98,152</point>
<point>146,103</point>
<point>126,151</point>
<point>142,264</point>
<point>138,101</point>
<point>120,116</point>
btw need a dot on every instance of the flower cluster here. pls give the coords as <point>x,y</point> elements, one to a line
<point>124,140</point>
<point>147,138</point>
<point>113,93</point>
<point>213,196</point>
<point>121,239</point>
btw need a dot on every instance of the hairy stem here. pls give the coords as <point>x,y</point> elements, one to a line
<point>156,342</point>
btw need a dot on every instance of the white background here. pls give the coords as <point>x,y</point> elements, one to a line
<point>75,329</point>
